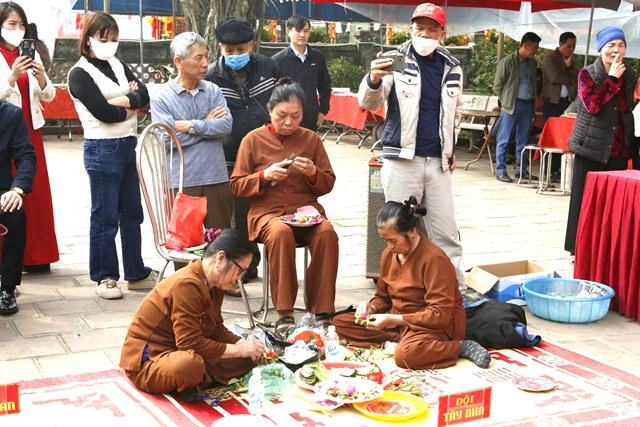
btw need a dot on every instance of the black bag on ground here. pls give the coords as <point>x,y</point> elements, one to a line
<point>498,325</point>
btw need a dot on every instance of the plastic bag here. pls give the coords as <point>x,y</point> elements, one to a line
<point>186,227</point>
<point>277,380</point>
<point>270,341</point>
<point>307,329</point>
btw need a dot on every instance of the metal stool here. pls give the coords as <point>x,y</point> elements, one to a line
<point>546,186</point>
<point>264,306</point>
<point>566,172</point>
<point>531,148</point>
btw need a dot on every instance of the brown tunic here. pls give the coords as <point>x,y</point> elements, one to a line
<point>425,291</point>
<point>259,150</point>
<point>181,315</point>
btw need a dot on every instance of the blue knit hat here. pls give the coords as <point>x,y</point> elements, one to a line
<point>608,34</point>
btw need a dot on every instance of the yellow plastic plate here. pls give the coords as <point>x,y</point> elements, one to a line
<point>393,406</point>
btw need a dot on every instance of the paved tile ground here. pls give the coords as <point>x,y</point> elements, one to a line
<point>63,327</point>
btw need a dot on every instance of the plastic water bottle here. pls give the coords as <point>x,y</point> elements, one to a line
<point>256,392</point>
<point>331,344</point>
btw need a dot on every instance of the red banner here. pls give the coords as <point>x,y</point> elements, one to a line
<point>462,407</point>
<point>9,399</point>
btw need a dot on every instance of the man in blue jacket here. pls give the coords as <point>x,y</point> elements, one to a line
<point>306,65</point>
<point>15,146</point>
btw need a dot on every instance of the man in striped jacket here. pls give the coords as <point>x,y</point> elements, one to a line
<point>421,127</point>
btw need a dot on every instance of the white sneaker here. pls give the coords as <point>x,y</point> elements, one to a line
<point>148,282</point>
<point>109,289</point>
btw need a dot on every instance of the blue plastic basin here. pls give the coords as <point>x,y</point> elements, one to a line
<point>556,299</point>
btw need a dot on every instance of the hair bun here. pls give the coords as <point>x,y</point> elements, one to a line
<point>284,81</point>
<point>416,208</point>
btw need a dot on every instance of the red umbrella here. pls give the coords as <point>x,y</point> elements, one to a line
<point>536,5</point>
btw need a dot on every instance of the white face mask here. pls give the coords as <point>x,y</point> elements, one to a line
<point>12,37</point>
<point>424,47</point>
<point>103,50</point>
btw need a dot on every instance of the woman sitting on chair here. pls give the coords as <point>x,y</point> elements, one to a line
<point>278,186</point>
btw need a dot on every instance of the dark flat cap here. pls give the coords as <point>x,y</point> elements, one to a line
<point>234,31</point>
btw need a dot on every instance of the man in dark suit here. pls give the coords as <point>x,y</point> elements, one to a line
<point>15,146</point>
<point>306,66</point>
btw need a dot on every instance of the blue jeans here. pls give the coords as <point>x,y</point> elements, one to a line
<point>521,119</point>
<point>115,203</point>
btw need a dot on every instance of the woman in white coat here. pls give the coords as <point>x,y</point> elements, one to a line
<point>24,82</point>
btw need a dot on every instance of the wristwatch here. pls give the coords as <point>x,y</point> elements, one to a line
<point>191,129</point>
<point>18,190</point>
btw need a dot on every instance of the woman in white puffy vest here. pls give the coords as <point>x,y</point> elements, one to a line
<point>106,95</point>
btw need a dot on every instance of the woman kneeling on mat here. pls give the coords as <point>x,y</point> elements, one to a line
<point>177,339</point>
<point>417,301</point>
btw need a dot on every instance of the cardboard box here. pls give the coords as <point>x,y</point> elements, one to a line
<point>503,282</point>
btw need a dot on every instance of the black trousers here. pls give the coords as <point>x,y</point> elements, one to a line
<point>240,213</point>
<point>13,245</point>
<point>555,110</point>
<point>582,166</point>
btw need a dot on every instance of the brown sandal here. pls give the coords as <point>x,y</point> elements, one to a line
<point>282,326</point>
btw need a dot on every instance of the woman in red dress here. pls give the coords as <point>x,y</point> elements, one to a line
<point>24,82</point>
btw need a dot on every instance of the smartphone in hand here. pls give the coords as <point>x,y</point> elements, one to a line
<point>398,61</point>
<point>28,48</point>
<point>291,157</point>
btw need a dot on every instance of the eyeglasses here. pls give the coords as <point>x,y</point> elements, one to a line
<point>237,265</point>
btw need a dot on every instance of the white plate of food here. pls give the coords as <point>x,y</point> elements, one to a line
<point>307,377</point>
<point>348,390</point>
<point>301,220</point>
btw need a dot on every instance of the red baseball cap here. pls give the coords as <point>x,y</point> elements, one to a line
<point>430,10</point>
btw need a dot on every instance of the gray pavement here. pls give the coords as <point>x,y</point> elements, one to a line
<point>64,328</point>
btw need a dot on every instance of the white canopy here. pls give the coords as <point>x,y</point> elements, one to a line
<point>548,25</point>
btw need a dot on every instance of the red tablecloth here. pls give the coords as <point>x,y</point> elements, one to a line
<point>345,110</point>
<point>61,107</point>
<point>609,235</point>
<point>556,132</point>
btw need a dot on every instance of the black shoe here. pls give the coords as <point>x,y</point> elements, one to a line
<point>555,177</point>
<point>190,395</point>
<point>8,304</point>
<point>503,177</point>
<point>251,273</point>
<point>526,176</point>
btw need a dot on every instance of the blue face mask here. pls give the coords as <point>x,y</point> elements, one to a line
<point>236,62</point>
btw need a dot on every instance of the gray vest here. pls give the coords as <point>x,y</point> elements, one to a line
<point>593,134</point>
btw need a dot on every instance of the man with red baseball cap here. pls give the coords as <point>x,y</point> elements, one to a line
<point>421,127</point>
<point>430,10</point>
